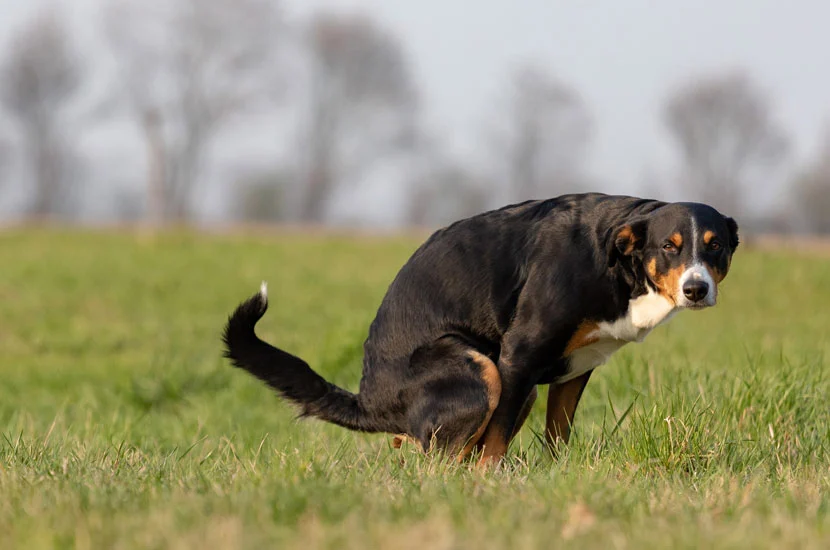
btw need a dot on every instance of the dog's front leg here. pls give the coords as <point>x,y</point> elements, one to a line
<point>527,348</point>
<point>562,402</point>
<point>519,367</point>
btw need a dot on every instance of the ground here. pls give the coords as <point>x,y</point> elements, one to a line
<point>122,426</point>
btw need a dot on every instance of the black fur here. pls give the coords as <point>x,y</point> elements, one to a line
<point>289,375</point>
<point>513,284</point>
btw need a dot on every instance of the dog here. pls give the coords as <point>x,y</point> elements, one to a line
<point>488,308</point>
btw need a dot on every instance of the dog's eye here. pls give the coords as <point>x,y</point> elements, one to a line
<point>669,247</point>
<point>714,246</point>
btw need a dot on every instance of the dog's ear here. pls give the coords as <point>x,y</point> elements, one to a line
<point>732,225</point>
<point>627,239</point>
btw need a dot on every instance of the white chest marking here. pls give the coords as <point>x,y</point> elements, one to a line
<point>644,313</point>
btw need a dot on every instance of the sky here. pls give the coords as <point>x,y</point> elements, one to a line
<point>623,56</point>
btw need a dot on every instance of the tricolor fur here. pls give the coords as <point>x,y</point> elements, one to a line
<point>490,307</point>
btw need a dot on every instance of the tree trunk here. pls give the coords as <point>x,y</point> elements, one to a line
<point>156,168</point>
<point>45,174</point>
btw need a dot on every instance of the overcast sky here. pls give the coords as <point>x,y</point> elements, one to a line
<point>623,56</point>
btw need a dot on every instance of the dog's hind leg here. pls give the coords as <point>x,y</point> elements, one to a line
<point>458,390</point>
<point>400,439</point>
<point>490,375</point>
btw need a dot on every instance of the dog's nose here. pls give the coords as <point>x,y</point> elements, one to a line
<point>695,290</point>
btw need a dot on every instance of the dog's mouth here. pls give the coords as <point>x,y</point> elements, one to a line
<point>696,306</point>
<point>696,289</point>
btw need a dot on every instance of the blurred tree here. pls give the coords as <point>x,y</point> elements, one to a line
<point>187,68</point>
<point>447,192</point>
<point>724,130</point>
<point>362,105</point>
<point>259,197</point>
<point>127,204</point>
<point>39,79</point>
<point>811,192</point>
<point>5,158</point>
<point>544,136</point>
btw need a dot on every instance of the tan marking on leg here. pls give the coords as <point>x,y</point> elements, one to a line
<point>400,439</point>
<point>491,378</point>
<point>525,412</point>
<point>490,375</point>
<point>677,240</point>
<point>562,402</point>
<point>494,446</point>
<point>585,334</point>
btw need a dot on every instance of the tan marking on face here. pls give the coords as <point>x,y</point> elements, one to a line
<point>715,273</point>
<point>708,236</point>
<point>491,378</point>
<point>668,284</point>
<point>626,234</point>
<point>562,402</point>
<point>585,335</point>
<point>651,268</point>
<point>677,240</point>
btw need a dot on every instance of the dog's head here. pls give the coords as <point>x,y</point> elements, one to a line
<point>680,250</point>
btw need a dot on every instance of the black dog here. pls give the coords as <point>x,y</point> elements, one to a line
<point>541,292</point>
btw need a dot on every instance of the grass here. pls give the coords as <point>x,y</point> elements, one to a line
<point>122,427</point>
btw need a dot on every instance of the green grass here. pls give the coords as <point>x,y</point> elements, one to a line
<point>122,427</point>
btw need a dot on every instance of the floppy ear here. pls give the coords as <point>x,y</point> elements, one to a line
<point>627,239</point>
<point>733,233</point>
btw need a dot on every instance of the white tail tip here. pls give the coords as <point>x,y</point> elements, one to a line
<point>263,290</point>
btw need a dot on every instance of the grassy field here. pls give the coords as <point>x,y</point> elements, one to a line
<point>122,427</point>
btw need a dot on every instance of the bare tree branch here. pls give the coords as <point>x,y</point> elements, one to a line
<point>724,130</point>
<point>39,78</point>
<point>362,105</point>
<point>189,66</point>
<point>447,192</point>
<point>544,137</point>
<point>811,192</point>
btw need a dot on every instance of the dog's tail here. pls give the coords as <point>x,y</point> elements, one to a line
<point>290,376</point>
